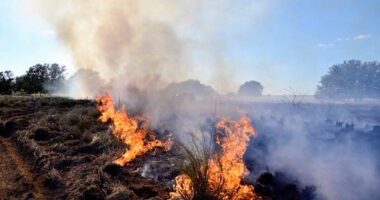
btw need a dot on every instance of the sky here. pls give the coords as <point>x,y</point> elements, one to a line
<point>290,45</point>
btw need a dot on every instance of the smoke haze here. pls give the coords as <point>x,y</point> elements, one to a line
<point>148,43</point>
<point>331,147</point>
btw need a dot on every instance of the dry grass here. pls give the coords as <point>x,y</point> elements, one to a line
<point>69,148</point>
<point>196,167</point>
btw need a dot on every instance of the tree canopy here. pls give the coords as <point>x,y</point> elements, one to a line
<point>251,88</point>
<point>194,87</point>
<point>6,82</point>
<point>40,78</point>
<point>352,79</point>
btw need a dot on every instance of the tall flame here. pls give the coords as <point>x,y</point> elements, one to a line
<point>226,167</point>
<point>133,131</point>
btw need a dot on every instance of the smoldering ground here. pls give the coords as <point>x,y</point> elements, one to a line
<point>333,147</point>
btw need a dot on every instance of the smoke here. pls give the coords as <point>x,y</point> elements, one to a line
<point>138,47</point>
<point>119,41</point>
<point>131,48</point>
<point>331,147</point>
<point>146,43</point>
<point>85,83</point>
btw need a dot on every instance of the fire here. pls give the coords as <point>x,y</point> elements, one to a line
<point>226,167</point>
<point>183,188</point>
<point>133,131</point>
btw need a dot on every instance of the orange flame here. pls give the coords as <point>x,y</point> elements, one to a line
<point>226,168</point>
<point>183,188</point>
<point>133,131</point>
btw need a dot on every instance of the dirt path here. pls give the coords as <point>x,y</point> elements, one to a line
<point>16,179</point>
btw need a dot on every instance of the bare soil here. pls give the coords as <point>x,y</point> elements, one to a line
<point>16,179</point>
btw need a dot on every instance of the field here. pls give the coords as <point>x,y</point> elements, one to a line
<point>56,148</point>
<point>331,148</point>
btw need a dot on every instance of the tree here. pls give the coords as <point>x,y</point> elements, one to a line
<point>20,84</point>
<point>56,76</point>
<point>35,79</point>
<point>41,78</point>
<point>6,82</point>
<point>251,88</point>
<point>352,79</point>
<point>189,88</point>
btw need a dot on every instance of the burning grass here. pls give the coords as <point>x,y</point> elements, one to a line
<point>80,158</point>
<point>218,174</point>
<point>70,151</point>
<point>133,131</point>
<point>208,175</point>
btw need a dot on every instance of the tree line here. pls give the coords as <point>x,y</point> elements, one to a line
<point>38,79</point>
<point>352,79</point>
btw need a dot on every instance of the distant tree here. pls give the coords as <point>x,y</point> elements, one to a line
<point>251,88</point>
<point>6,82</point>
<point>352,79</point>
<point>20,84</point>
<point>56,76</point>
<point>188,88</point>
<point>41,78</point>
<point>56,72</point>
<point>35,79</point>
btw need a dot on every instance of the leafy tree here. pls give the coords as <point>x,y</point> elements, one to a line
<point>41,78</point>
<point>35,79</point>
<point>6,82</point>
<point>251,88</point>
<point>20,84</point>
<point>56,76</point>
<point>189,88</point>
<point>352,79</point>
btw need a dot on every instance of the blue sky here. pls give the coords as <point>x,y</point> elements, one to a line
<point>288,48</point>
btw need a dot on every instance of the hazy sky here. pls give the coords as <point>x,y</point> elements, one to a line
<point>288,47</point>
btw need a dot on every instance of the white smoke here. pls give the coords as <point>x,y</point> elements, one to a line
<point>147,43</point>
<point>309,143</point>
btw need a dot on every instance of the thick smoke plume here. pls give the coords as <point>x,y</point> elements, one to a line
<point>121,40</point>
<point>146,43</point>
<point>134,48</point>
